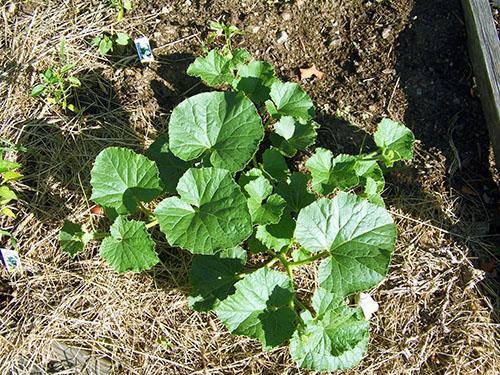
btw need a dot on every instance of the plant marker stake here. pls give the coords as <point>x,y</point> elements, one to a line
<point>144,50</point>
<point>11,260</point>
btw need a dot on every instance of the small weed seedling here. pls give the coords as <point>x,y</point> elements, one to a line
<point>225,198</point>
<point>57,83</point>
<point>8,174</point>
<point>121,6</point>
<point>115,43</point>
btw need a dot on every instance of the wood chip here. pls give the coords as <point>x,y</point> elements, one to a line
<point>311,72</point>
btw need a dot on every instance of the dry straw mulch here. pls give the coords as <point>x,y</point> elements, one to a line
<point>437,309</point>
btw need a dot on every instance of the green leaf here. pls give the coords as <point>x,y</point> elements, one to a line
<point>239,56</point>
<point>291,100</point>
<point>130,247</point>
<point>96,41</point>
<point>127,4</point>
<point>75,82</point>
<point>7,166</point>
<point>211,213</point>
<point>48,74</point>
<point>66,68</point>
<point>336,339</point>
<point>213,277</point>
<point>277,236</point>
<point>122,39</point>
<point>295,192</point>
<point>395,141</point>
<point>291,136</point>
<point>73,238</point>
<point>37,90</point>
<point>359,235</point>
<point>6,195</point>
<point>300,254</point>
<point>171,168</point>
<point>255,80</point>
<point>223,125</point>
<point>121,179</point>
<point>105,46</point>
<point>6,211</point>
<point>260,308</point>
<point>214,69</point>
<point>249,175</point>
<point>330,173</point>
<point>275,165</point>
<point>265,208</point>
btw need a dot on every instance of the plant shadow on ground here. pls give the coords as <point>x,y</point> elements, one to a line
<point>442,111</point>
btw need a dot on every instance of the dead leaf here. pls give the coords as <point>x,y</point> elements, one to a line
<point>467,190</point>
<point>311,72</point>
<point>96,210</point>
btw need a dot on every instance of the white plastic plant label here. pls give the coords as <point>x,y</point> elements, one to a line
<point>144,49</point>
<point>11,260</point>
<point>367,304</point>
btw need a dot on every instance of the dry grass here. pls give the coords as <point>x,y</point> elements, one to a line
<point>436,311</point>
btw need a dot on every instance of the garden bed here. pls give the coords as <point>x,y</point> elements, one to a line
<point>405,60</point>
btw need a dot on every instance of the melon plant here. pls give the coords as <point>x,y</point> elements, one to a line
<point>220,185</point>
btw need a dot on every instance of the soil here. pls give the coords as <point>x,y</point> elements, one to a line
<point>403,59</point>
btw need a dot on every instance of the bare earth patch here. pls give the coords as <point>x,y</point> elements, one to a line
<point>402,59</point>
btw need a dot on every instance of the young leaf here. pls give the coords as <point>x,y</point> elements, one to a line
<point>215,69</point>
<point>255,80</point>
<point>239,56</point>
<point>73,238</point>
<point>291,136</point>
<point>130,247</point>
<point>395,141</point>
<point>336,339</point>
<point>291,100</point>
<point>260,308</point>
<point>295,192</point>
<point>6,195</point>
<point>275,165</point>
<point>105,45</point>
<point>223,125</point>
<point>277,236</point>
<point>359,235</point>
<point>121,179</point>
<point>329,173</point>
<point>213,277</point>
<point>66,68</point>
<point>37,90</point>
<point>211,213</point>
<point>265,208</point>
<point>75,82</point>
<point>127,4</point>
<point>170,166</point>
<point>122,39</point>
<point>7,165</point>
<point>249,175</point>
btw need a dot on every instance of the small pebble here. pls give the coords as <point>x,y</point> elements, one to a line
<point>255,29</point>
<point>286,16</point>
<point>386,33</point>
<point>281,37</point>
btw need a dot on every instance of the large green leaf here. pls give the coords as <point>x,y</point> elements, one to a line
<point>223,125</point>
<point>394,140</point>
<point>290,135</point>
<point>214,69</point>
<point>359,235</point>
<point>255,80</point>
<point>213,277</point>
<point>336,339</point>
<point>330,173</point>
<point>289,99</point>
<point>265,207</point>
<point>274,164</point>
<point>73,238</point>
<point>295,192</point>
<point>277,236</point>
<point>130,247</point>
<point>121,179</point>
<point>211,213</point>
<point>170,166</point>
<point>260,308</point>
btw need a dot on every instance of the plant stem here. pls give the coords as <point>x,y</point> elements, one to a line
<point>99,235</point>
<point>152,224</point>
<point>254,161</point>
<point>309,260</point>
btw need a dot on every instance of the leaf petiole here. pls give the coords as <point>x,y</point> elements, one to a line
<point>152,224</point>
<point>324,254</point>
